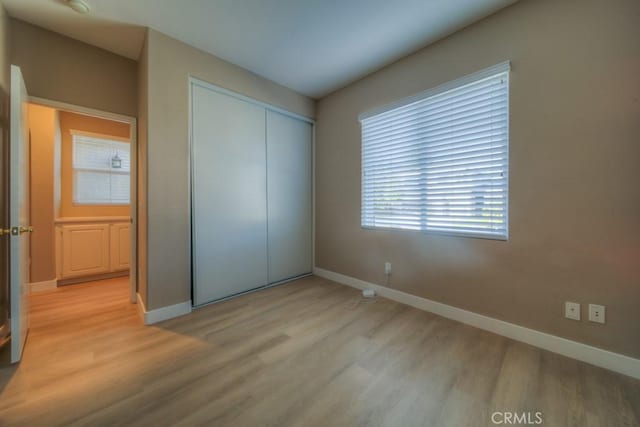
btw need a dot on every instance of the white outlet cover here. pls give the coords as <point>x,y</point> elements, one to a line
<point>596,313</point>
<point>387,268</point>
<point>572,310</point>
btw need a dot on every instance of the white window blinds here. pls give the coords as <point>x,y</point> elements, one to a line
<point>97,179</point>
<point>439,161</point>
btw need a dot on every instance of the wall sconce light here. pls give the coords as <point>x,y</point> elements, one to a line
<point>116,162</point>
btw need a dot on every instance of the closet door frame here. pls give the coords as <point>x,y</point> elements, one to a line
<point>193,81</point>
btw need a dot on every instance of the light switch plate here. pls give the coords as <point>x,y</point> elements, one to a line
<point>572,310</point>
<point>596,313</point>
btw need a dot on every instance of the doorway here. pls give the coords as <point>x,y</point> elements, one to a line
<point>83,196</point>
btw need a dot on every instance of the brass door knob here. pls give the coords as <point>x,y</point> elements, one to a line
<point>16,231</point>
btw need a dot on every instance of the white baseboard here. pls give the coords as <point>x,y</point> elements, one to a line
<point>596,356</point>
<point>43,286</point>
<point>163,313</point>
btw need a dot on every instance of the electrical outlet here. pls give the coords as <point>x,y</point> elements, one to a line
<point>596,313</point>
<point>387,268</point>
<point>572,310</point>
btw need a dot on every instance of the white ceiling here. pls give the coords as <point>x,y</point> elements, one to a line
<point>311,46</point>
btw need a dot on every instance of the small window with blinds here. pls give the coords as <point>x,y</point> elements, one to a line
<point>101,170</point>
<point>439,161</point>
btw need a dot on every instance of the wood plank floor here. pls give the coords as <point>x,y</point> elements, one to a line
<point>308,353</point>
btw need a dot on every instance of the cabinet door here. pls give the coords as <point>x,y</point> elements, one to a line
<point>229,195</point>
<point>289,191</point>
<point>120,246</point>
<point>85,250</point>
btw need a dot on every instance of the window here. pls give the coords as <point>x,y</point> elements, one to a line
<point>439,161</point>
<point>101,170</point>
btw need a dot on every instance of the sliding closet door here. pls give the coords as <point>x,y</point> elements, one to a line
<point>229,195</point>
<point>289,189</point>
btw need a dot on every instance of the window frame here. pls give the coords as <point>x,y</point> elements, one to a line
<point>503,67</point>
<point>96,135</point>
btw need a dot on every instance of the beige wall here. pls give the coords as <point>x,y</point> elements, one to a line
<point>574,174</point>
<point>5,50</point>
<point>79,122</point>
<point>42,126</point>
<point>170,63</point>
<point>63,69</point>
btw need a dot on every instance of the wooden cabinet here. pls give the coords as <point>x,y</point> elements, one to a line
<point>86,248</point>
<point>120,247</point>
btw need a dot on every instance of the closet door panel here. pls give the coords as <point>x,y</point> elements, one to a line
<point>229,195</point>
<point>289,190</point>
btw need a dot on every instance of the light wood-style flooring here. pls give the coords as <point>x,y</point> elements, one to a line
<point>308,353</point>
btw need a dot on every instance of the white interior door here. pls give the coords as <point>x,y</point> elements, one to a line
<point>289,190</point>
<point>19,213</point>
<point>229,234</point>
